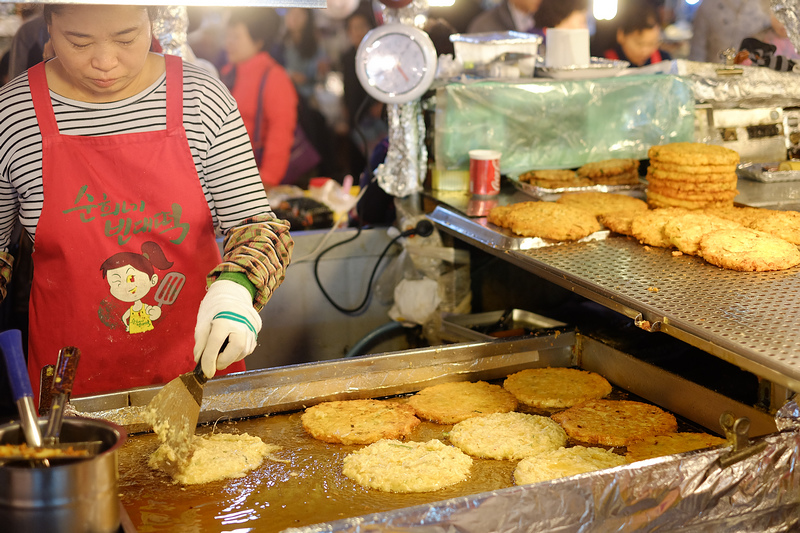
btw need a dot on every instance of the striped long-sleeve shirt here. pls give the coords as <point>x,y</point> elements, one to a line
<point>218,142</point>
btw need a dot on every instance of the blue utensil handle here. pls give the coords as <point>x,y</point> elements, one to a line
<point>11,345</point>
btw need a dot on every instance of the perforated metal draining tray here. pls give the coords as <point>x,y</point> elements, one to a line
<point>751,319</point>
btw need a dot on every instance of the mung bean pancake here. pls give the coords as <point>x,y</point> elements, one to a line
<point>694,154</point>
<point>748,250</point>
<point>656,199</point>
<point>693,185</point>
<point>507,436</point>
<point>395,466</point>
<point>619,222</point>
<point>565,462</point>
<point>213,457</point>
<point>599,203</point>
<point>608,167</point>
<point>359,421</point>
<point>450,403</point>
<point>497,215</point>
<point>648,227</point>
<point>783,224</point>
<point>615,422</point>
<point>694,195</point>
<point>553,388</point>
<point>685,231</point>
<point>628,178</point>
<point>704,180</point>
<point>692,169</point>
<point>554,179</point>
<point>671,443</point>
<point>550,220</point>
<point>742,215</point>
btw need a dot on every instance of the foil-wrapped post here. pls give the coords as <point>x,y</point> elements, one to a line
<point>404,168</point>
<point>788,13</point>
<point>406,163</point>
<point>171,29</point>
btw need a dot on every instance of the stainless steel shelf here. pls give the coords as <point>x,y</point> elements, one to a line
<point>751,319</point>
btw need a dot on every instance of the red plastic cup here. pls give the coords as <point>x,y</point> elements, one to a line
<point>484,172</point>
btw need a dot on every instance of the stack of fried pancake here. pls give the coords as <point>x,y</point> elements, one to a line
<point>691,175</point>
<point>611,172</point>
<point>606,172</point>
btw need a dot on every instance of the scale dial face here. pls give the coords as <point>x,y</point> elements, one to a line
<point>396,63</point>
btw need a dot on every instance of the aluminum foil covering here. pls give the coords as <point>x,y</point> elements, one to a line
<point>406,163</point>
<point>691,492</point>
<point>414,14</point>
<point>170,28</point>
<point>788,416</point>
<point>755,87</point>
<point>788,12</point>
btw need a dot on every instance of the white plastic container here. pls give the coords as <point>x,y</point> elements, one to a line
<point>474,49</point>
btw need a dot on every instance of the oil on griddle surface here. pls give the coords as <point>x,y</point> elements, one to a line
<point>307,488</point>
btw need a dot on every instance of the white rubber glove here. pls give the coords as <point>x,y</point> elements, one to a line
<point>226,312</point>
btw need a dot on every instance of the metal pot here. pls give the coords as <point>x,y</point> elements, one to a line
<point>70,496</point>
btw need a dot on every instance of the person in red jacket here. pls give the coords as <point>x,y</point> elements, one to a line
<point>638,36</point>
<point>262,88</point>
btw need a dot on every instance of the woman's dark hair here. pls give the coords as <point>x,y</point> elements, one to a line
<point>152,255</point>
<point>262,24</point>
<point>49,9</point>
<point>552,12</point>
<point>637,15</point>
<point>308,44</point>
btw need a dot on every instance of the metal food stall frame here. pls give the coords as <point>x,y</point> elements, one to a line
<point>739,317</point>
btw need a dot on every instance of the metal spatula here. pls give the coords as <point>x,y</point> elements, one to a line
<point>176,408</point>
<point>64,377</point>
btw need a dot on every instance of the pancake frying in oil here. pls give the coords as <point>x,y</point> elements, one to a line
<point>565,462</point>
<point>671,443</point>
<point>549,388</point>
<point>508,436</point>
<point>450,403</point>
<point>615,422</point>
<point>359,421</point>
<point>395,466</point>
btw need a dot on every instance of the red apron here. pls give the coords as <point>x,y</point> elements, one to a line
<point>99,281</point>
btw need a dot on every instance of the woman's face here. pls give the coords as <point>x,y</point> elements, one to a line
<point>238,43</point>
<point>102,49</point>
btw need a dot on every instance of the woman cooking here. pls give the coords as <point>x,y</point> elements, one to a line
<point>109,147</point>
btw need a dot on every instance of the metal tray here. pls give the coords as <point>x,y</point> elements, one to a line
<point>747,318</point>
<point>471,327</point>
<point>479,229</point>
<point>548,194</point>
<point>305,487</point>
<point>766,172</point>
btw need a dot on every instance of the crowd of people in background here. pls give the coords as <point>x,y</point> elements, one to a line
<point>279,63</point>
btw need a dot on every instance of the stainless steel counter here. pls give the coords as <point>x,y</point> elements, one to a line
<point>751,319</point>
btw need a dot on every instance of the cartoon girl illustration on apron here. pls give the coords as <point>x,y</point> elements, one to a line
<point>130,277</point>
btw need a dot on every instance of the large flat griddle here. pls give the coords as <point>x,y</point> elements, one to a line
<point>304,487</point>
<point>750,319</point>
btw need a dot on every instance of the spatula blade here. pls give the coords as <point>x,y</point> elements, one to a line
<point>174,411</point>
